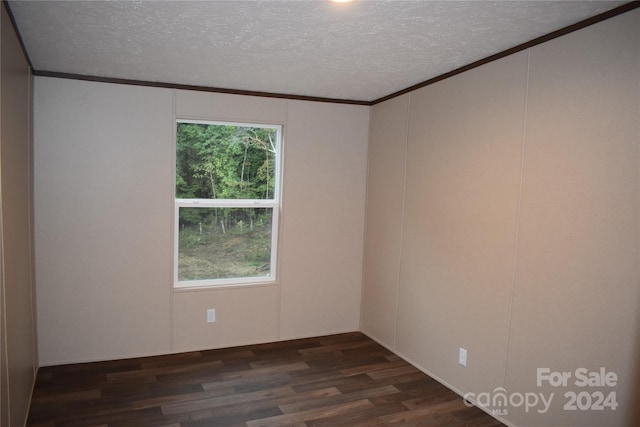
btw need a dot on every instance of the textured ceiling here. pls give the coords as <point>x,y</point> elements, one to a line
<point>358,51</point>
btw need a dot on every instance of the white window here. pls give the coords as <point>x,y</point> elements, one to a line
<point>227,203</point>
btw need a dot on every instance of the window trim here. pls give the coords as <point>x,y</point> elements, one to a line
<point>273,203</point>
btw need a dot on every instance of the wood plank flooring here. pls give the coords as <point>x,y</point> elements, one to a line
<point>338,380</point>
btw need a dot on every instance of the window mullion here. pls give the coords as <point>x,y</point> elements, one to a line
<point>225,203</point>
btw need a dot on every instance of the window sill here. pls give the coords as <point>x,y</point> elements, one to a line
<point>204,286</point>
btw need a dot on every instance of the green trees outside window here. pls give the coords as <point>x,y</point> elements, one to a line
<point>226,202</point>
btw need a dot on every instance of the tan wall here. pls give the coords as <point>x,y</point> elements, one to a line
<point>104,205</point>
<point>385,194</point>
<point>635,394</point>
<point>521,221</point>
<point>323,218</point>
<point>579,213</point>
<point>19,360</point>
<point>103,163</point>
<point>463,169</point>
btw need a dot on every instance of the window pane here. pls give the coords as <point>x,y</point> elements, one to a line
<point>223,243</point>
<point>215,161</point>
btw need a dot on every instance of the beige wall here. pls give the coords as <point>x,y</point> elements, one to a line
<point>103,213</point>
<point>102,166</point>
<point>519,235</point>
<point>19,360</point>
<point>463,169</point>
<point>323,218</point>
<point>385,193</point>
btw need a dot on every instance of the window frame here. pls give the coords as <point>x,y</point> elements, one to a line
<point>273,203</point>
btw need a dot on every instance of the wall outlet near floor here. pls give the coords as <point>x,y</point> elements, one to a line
<point>462,357</point>
<point>211,315</point>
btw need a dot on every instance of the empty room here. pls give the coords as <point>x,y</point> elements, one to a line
<point>319,213</point>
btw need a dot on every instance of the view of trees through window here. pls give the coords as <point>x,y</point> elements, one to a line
<point>225,199</point>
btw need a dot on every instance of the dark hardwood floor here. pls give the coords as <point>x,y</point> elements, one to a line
<point>338,380</point>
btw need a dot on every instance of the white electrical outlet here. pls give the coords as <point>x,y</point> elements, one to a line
<point>462,357</point>
<point>211,315</point>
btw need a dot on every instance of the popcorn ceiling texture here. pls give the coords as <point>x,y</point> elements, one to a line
<point>358,51</point>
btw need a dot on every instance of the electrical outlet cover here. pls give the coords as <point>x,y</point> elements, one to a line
<point>462,357</point>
